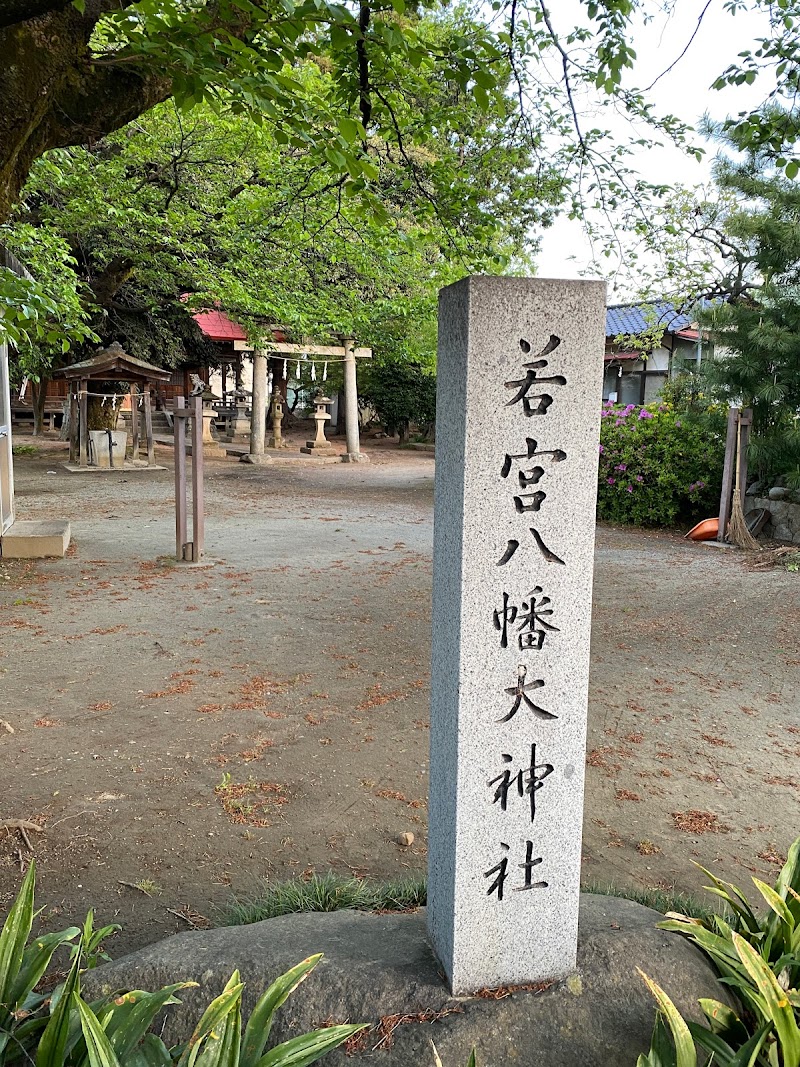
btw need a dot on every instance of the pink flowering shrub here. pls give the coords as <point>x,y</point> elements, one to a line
<point>656,468</point>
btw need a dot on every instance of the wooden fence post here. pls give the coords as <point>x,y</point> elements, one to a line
<point>198,518</point>
<point>745,422</point>
<point>84,423</point>
<point>134,423</point>
<point>148,428</point>
<point>73,424</point>
<point>191,551</point>
<point>180,477</point>
<point>727,474</point>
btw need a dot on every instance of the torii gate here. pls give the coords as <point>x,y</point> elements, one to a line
<point>346,352</point>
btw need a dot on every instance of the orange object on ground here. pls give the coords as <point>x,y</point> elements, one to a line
<point>706,530</point>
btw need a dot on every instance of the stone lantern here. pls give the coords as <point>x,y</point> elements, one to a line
<point>238,421</point>
<point>276,411</point>
<point>320,446</point>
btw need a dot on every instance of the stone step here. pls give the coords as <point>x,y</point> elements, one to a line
<point>28,539</point>
<point>160,422</point>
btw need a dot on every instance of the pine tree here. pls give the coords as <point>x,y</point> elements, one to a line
<point>758,331</point>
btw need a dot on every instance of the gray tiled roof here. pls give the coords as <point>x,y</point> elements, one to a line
<point>634,318</point>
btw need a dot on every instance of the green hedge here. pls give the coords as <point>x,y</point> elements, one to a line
<point>656,467</point>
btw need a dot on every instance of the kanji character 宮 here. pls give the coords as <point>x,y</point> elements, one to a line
<point>557,455</point>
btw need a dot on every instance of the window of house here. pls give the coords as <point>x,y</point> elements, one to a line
<point>640,382</point>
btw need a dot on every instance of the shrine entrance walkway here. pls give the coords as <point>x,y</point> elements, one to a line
<point>195,730</point>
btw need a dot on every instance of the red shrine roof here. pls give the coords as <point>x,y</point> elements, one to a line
<point>218,327</point>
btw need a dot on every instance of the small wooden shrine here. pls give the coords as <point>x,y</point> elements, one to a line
<point>110,364</point>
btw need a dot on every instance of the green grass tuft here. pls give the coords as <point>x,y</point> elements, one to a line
<point>327,892</point>
<point>333,892</point>
<point>661,900</point>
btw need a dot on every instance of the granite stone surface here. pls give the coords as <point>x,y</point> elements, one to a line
<point>379,969</point>
<point>517,433</point>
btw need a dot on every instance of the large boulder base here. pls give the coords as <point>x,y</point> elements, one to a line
<point>381,966</point>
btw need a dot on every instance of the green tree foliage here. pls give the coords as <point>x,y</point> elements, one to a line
<point>109,62</point>
<point>758,330</point>
<point>362,91</point>
<point>218,208</point>
<point>41,315</point>
<point>730,256</point>
<point>401,393</point>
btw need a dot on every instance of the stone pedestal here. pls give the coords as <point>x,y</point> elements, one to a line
<point>238,428</point>
<point>208,422</point>
<point>211,446</point>
<point>519,367</point>
<point>99,441</point>
<point>320,446</point>
<point>36,539</point>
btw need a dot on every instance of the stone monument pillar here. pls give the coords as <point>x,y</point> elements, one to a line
<point>258,411</point>
<point>353,453</point>
<point>517,432</point>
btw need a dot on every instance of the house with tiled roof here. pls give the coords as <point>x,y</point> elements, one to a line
<point>634,375</point>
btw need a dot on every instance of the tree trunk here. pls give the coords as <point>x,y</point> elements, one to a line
<point>289,418</point>
<point>102,416</point>
<point>38,395</point>
<point>402,431</point>
<point>52,93</point>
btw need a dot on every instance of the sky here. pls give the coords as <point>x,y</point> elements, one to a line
<point>684,91</point>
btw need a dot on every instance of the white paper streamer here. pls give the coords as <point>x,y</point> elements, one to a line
<point>325,373</point>
<point>286,368</point>
<point>313,372</point>
<point>297,371</point>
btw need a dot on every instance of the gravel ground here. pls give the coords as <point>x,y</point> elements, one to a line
<point>183,732</point>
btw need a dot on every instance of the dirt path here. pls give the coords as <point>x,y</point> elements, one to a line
<point>193,730</point>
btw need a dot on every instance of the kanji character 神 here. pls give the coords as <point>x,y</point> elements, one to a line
<point>526,781</point>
